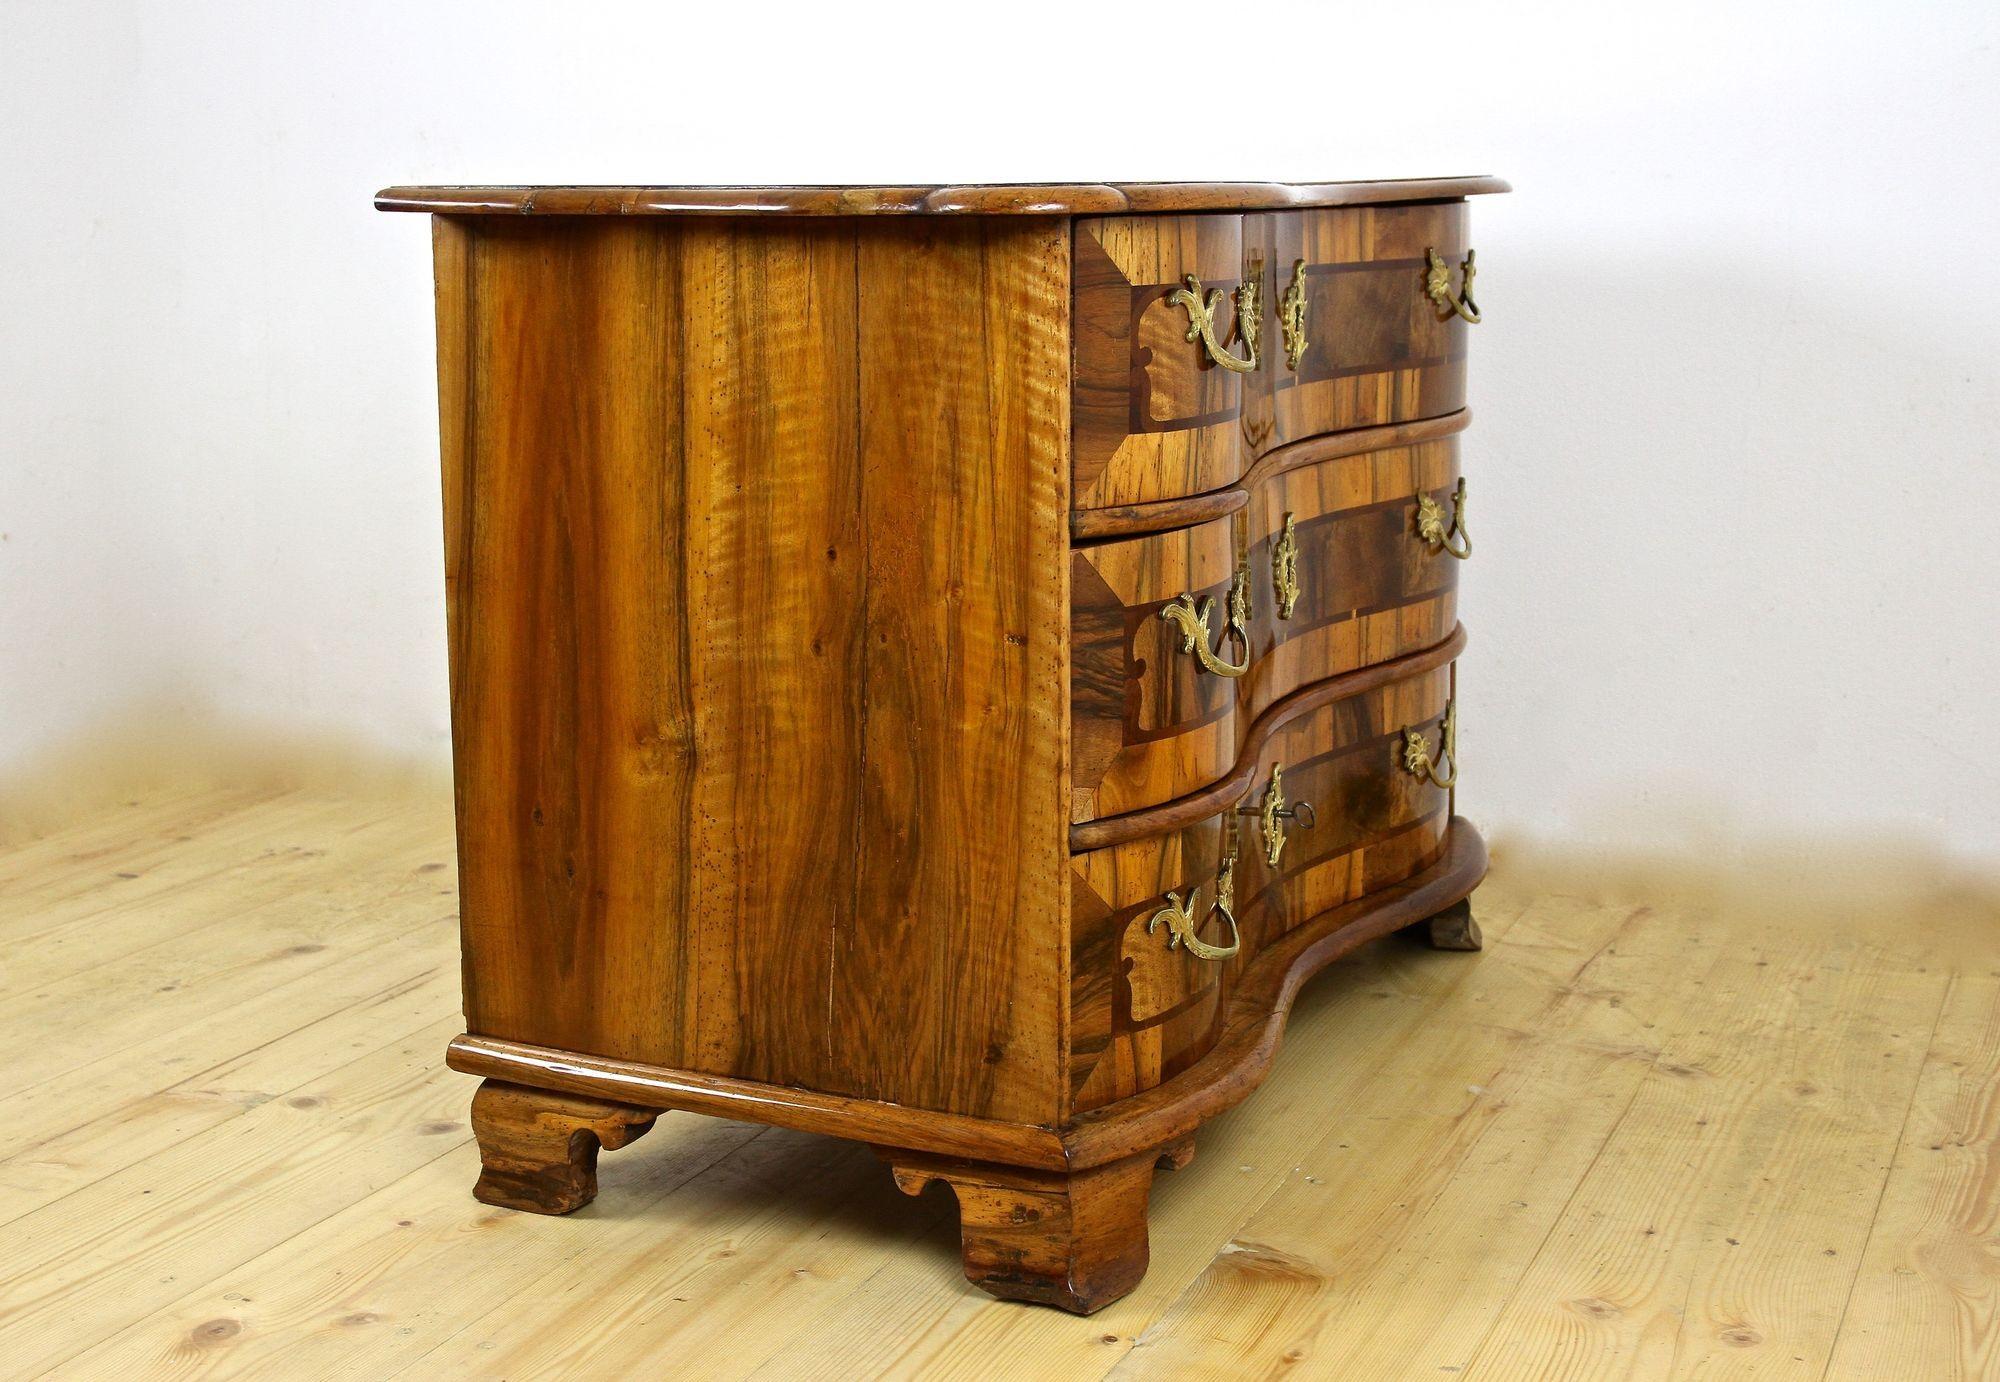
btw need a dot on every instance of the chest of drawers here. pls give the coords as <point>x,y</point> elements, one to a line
<point>941,666</point>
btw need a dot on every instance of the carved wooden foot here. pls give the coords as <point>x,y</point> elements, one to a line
<point>1454,928</point>
<point>1075,1240</point>
<point>538,1150</point>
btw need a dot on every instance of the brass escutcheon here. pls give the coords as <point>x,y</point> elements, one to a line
<point>1417,760</point>
<point>1437,287</point>
<point>1285,568</point>
<point>1179,917</point>
<point>1292,317</point>
<point>1192,621</point>
<point>1272,813</point>
<point>1201,307</point>
<point>1431,525</point>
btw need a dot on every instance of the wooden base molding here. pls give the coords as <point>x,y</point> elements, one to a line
<point>1051,1215</point>
<point>538,1148</point>
<point>1174,1109</point>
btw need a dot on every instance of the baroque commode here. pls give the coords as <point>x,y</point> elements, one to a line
<point>942,666</point>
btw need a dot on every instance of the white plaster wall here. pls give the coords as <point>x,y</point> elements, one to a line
<point>1736,393</point>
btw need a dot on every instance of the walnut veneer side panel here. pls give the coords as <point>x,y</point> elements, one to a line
<point>955,975</point>
<point>755,544</point>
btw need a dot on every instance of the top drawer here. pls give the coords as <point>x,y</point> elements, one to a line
<point>1156,416</point>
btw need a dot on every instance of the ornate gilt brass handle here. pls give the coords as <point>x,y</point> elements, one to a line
<point>1417,760</point>
<point>1431,525</point>
<point>1292,317</point>
<point>1201,307</point>
<point>1192,620</point>
<point>1179,917</point>
<point>1285,569</point>
<point>1437,286</point>
<point>1272,813</point>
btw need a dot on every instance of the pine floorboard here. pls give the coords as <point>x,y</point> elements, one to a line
<point>1678,1139</point>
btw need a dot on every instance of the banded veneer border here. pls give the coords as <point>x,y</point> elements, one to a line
<point>1105,831</point>
<point>1164,515</point>
<point>725,1096</point>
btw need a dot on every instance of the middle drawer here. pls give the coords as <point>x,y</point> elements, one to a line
<point>1328,569</point>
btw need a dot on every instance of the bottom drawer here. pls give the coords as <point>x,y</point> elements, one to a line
<point>1349,797</point>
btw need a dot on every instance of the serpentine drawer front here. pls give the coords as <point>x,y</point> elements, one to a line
<point>1204,341</point>
<point>940,666</point>
<point>1332,568</point>
<point>1144,1006</point>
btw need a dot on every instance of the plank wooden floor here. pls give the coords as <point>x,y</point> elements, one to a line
<point>1625,1141</point>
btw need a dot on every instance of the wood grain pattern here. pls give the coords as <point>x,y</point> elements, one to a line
<point>538,1151</point>
<point>1253,1022</point>
<point>1164,1114</point>
<point>1185,810</point>
<point>1389,354</point>
<point>1129,520</point>
<point>997,199</point>
<point>1141,1012</point>
<point>731,791</point>
<point>781,698</point>
<point>947,985</point>
<point>1681,1263</point>
<point>1075,1240</point>
<point>267,1176</point>
<point>1148,722</point>
<point>1157,420</point>
<point>1135,1004</point>
<point>1926,1295</point>
<point>1345,758</point>
<point>1152,418</point>
<point>651,1086</point>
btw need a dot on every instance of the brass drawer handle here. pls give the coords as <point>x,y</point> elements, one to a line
<point>1292,317</point>
<point>1192,621</point>
<point>1273,811</point>
<point>1201,306</point>
<point>1285,568</point>
<point>1417,760</point>
<point>1437,286</point>
<point>1179,917</point>
<point>1431,525</point>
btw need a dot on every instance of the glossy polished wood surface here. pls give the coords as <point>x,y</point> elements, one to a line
<point>1147,721</point>
<point>538,1151</point>
<point>1185,810</point>
<point>823,757</point>
<point>755,681</point>
<point>1127,520</point>
<point>994,199</point>
<point>1156,418</point>
<point>1140,1011</point>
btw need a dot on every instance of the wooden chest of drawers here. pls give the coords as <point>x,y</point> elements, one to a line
<point>941,666</point>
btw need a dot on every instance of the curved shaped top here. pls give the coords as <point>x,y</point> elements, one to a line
<point>995,199</point>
